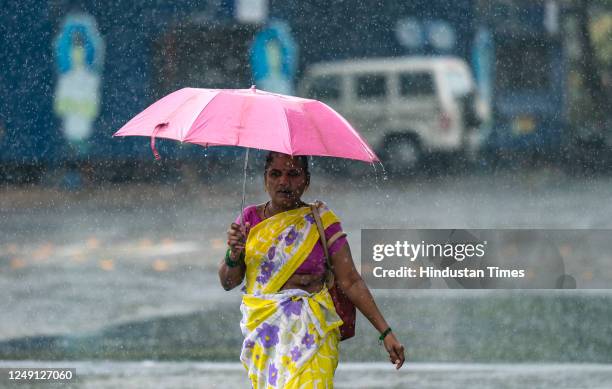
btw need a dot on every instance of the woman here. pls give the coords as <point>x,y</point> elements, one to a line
<point>289,322</point>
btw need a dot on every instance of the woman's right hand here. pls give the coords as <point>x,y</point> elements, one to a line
<point>236,238</point>
<point>231,275</point>
<point>395,350</point>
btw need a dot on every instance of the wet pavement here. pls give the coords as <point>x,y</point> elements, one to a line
<point>80,269</point>
<point>162,375</point>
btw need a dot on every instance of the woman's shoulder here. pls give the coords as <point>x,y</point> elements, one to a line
<point>323,207</point>
<point>320,204</point>
<point>251,214</point>
<point>251,208</point>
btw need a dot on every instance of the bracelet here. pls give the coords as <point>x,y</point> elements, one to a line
<point>384,335</point>
<point>228,260</point>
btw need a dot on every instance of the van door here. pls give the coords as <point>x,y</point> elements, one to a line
<point>417,108</point>
<point>368,106</point>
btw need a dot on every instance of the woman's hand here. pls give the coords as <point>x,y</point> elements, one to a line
<point>354,287</point>
<point>395,350</point>
<point>232,275</point>
<point>236,239</point>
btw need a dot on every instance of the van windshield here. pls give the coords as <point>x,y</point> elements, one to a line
<point>416,84</point>
<point>458,82</point>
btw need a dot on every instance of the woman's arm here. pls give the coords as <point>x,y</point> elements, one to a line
<point>351,283</point>
<point>232,276</point>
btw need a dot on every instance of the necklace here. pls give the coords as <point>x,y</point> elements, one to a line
<point>265,209</point>
<point>268,203</point>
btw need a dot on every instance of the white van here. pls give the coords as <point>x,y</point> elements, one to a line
<point>406,107</point>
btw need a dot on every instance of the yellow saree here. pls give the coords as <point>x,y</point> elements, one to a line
<point>291,336</point>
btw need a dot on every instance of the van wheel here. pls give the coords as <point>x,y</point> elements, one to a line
<point>402,154</point>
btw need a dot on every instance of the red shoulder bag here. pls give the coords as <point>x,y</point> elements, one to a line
<point>344,306</point>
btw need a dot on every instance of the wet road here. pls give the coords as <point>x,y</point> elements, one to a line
<point>81,263</point>
<point>96,375</point>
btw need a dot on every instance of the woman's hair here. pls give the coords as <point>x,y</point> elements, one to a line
<point>300,158</point>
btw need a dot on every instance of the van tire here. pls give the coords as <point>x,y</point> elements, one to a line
<point>402,154</point>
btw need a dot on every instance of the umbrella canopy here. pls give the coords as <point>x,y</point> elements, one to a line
<point>250,118</point>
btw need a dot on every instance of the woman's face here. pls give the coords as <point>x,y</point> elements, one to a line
<point>285,181</point>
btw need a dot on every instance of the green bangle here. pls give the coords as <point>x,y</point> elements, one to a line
<point>383,335</point>
<point>228,260</point>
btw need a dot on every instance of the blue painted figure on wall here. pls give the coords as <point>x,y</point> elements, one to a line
<point>79,53</point>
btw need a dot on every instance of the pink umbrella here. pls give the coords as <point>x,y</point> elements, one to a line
<point>250,118</point>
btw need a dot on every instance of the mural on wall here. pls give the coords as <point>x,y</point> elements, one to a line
<point>79,54</point>
<point>414,34</point>
<point>274,59</point>
<point>483,58</point>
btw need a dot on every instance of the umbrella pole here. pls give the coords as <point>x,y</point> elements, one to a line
<point>246,161</point>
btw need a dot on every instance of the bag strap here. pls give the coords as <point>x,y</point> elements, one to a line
<point>317,217</point>
<point>334,238</point>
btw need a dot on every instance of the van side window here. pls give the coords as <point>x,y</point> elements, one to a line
<point>416,84</point>
<point>371,86</point>
<point>325,88</point>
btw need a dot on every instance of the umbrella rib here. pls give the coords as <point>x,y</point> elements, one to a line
<point>245,109</point>
<point>288,129</point>
<point>197,115</point>
<point>318,131</point>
